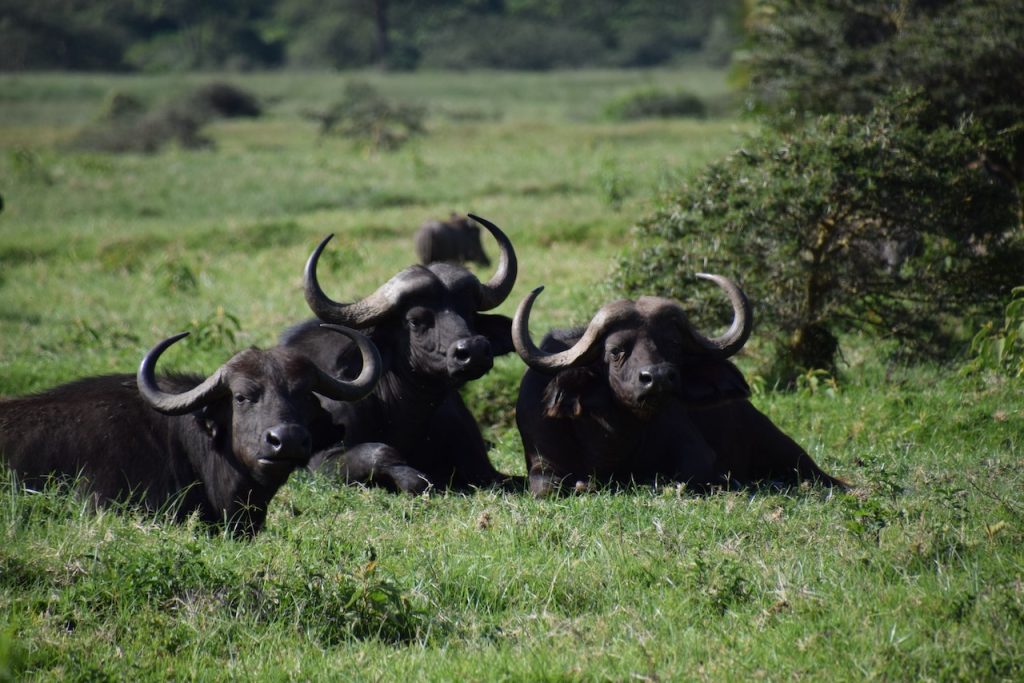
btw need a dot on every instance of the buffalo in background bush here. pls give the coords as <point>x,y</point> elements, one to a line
<point>456,240</point>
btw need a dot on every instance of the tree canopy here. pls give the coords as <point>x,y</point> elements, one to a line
<point>884,192</point>
<point>521,34</point>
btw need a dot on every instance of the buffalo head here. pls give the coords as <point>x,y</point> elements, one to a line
<point>648,350</point>
<point>469,239</point>
<point>428,320</point>
<point>260,403</point>
<point>455,240</point>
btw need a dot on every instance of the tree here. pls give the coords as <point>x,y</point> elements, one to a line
<point>858,207</point>
<point>812,57</point>
<point>61,34</point>
<point>871,222</point>
<point>192,34</point>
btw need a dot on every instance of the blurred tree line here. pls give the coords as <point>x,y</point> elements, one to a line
<point>883,193</point>
<point>397,34</point>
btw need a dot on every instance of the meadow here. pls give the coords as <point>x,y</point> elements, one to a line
<point>918,572</point>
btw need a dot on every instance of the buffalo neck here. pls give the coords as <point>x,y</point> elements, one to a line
<point>230,493</point>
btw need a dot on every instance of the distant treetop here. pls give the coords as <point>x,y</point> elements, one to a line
<point>397,34</point>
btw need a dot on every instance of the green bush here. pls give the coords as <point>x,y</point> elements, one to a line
<point>1001,349</point>
<point>811,57</point>
<point>646,104</point>
<point>366,116</point>
<point>849,223</point>
<point>124,124</point>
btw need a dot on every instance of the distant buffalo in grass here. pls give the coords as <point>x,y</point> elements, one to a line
<point>456,240</point>
<point>220,446</point>
<point>640,395</point>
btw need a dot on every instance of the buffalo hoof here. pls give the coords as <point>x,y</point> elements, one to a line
<point>408,479</point>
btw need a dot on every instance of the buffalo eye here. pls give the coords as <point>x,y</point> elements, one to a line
<point>616,353</point>
<point>418,322</point>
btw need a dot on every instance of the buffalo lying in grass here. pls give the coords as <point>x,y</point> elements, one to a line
<point>456,240</point>
<point>640,395</point>
<point>413,431</point>
<point>221,446</point>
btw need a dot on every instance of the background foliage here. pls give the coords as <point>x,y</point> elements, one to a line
<point>397,34</point>
<point>884,192</point>
<point>865,223</point>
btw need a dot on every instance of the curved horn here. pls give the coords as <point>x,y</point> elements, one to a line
<point>340,390</point>
<point>582,351</point>
<point>360,314</point>
<point>497,289</point>
<point>736,336</point>
<point>175,404</point>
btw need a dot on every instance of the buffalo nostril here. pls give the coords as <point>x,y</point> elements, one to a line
<point>462,353</point>
<point>646,378</point>
<point>274,440</point>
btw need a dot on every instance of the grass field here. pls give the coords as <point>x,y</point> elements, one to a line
<point>919,573</point>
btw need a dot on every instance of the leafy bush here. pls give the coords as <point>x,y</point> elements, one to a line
<point>119,105</point>
<point>810,57</point>
<point>366,116</point>
<point>851,222</point>
<point>216,331</point>
<point>125,125</point>
<point>1001,349</point>
<point>646,104</point>
<point>146,133</point>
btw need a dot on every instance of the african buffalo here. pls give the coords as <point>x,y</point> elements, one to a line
<point>414,430</point>
<point>221,446</point>
<point>455,240</point>
<point>640,395</point>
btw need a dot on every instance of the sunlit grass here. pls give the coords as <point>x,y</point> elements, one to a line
<point>915,574</point>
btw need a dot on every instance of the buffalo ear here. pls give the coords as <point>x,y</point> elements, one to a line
<point>712,381</point>
<point>498,330</point>
<point>208,421</point>
<point>563,396</point>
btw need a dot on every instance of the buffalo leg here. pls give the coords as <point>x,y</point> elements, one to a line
<point>781,458</point>
<point>455,441</point>
<point>371,463</point>
<point>545,481</point>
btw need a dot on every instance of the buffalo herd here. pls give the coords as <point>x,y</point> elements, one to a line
<point>368,392</point>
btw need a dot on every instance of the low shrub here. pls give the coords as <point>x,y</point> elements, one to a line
<point>648,104</point>
<point>1001,349</point>
<point>125,125</point>
<point>147,133</point>
<point>366,116</point>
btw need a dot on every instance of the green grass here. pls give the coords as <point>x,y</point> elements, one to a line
<point>916,574</point>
